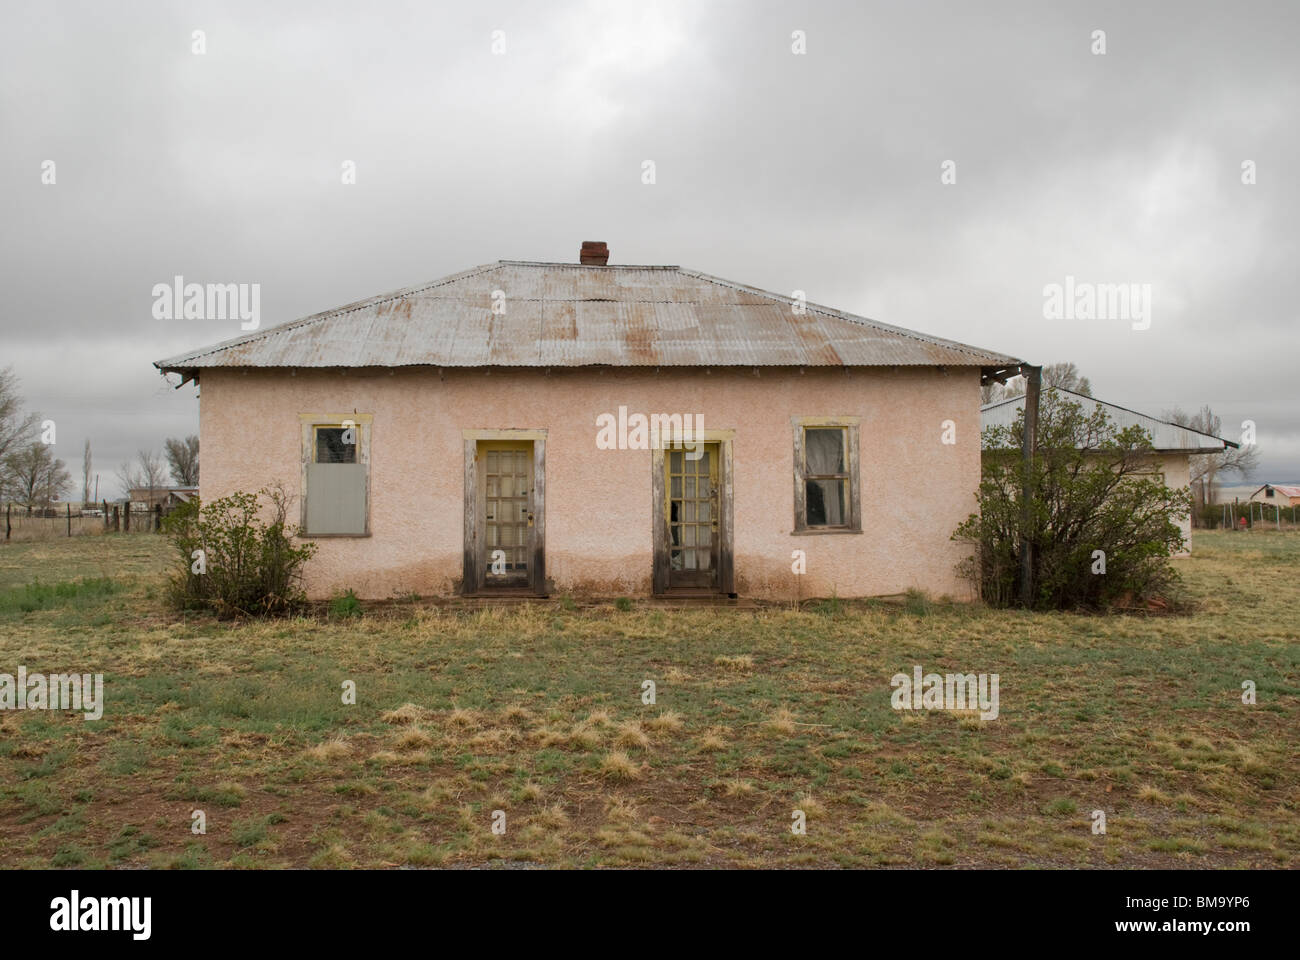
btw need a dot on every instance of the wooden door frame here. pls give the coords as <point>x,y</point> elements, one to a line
<point>726,517</point>
<point>471,581</point>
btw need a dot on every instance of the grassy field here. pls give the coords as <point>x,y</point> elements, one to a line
<point>536,711</point>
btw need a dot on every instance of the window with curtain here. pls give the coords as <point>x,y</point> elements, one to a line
<point>825,476</point>
<point>826,464</point>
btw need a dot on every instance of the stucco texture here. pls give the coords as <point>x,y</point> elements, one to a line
<point>1176,470</point>
<point>915,488</point>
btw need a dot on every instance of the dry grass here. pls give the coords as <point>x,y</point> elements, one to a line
<point>406,713</point>
<point>330,750</point>
<point>413,738</point>
<point>711,742</point>
<point>737,664</point>
<point>616,765</point>
<point>536,711</point>
<point>668,722</point>
<point>629,734</point>
<point>782,723</point>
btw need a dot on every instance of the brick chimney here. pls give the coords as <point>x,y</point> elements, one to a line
<point>594,253</point>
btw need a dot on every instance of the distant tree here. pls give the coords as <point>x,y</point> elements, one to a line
<point>995,392</point>
<point>38,478</point>
<point>1066,376</point>
<point>17,429</point>
<point>85,472</point>
<point>145,472</point>
<point>1063,375</point>
<point>1205,469</point>
<point>183,459</point>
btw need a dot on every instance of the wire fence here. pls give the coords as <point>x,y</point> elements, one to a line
<point>20,524</point>
<point>1248,515</point>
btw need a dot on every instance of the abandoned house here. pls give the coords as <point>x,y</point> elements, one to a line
<point>1173,445</point>
<point>603,429</point>
<point>1277,494</point>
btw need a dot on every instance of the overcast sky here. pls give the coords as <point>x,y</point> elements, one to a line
<point>818,172</point>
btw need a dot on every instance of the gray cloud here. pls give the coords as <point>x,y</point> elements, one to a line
<point>817,172</point>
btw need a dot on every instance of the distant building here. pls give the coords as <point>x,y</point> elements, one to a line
<point>146,498</point>
<point>1278,494</point>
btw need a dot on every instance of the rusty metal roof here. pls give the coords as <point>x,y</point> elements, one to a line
<point>564,314</point>
<point>1286,489</point>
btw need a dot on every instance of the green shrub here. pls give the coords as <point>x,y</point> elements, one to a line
<point>345,606</point>
<point>918,603</point>
<point>1092,489</point>
<point>250,565</point>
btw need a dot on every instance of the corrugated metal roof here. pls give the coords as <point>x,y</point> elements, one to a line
<point>1164,436</point>
<point>1286,489</point>
<point>564,314</point>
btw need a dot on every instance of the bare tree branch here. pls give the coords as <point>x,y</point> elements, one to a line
<point>183,459</point>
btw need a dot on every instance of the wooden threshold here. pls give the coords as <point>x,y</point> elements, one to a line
<point>506,593</point>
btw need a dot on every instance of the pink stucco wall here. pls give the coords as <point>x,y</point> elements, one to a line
<point>915,488</point>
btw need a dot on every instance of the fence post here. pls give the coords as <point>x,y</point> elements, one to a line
<point>126,516</point>
<point>157,518</point>
<point>8,526</point>
<point>68,506</point>
<point>117,520</point>
<point>105,514</point>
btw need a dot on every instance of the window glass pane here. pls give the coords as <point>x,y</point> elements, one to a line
<point>825,500</point>
<point>824,450</point>
<point>330,447</point>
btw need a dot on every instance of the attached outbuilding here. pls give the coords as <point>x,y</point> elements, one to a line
<point>1173,445</point>
<point>585,428</point>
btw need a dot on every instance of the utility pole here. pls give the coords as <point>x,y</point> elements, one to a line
<point>1033,388</point>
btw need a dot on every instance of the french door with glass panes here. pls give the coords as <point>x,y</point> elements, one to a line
<point>505,513</point>
<point>691,512</point>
